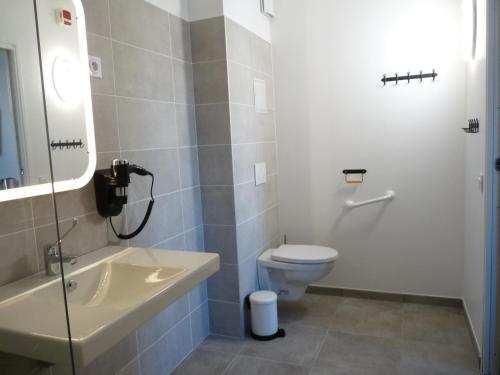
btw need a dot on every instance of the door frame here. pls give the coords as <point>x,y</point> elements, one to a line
<point>490,365</point>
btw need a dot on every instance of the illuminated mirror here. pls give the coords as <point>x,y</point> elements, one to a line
<point>45,102</point>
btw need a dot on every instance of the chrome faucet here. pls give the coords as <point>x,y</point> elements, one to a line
<point>53,254</point>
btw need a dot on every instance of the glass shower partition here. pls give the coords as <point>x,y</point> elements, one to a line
<point>34,334</point>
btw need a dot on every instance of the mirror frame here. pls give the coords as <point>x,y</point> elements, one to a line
<point>78,183</point>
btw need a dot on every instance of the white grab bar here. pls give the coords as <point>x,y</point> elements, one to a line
<point>388,196</point>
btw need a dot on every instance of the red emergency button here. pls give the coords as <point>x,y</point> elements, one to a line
<point>64,17</point>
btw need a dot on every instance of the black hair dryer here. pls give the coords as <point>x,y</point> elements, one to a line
<point>111,187</point>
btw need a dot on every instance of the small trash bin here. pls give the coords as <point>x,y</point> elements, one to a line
<point>264,316</point>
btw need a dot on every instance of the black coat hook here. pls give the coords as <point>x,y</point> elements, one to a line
<point>396,78</point>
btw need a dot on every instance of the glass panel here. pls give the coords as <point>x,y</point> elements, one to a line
<point>24,159</point>
<point>33,324</point>
<point>66,103</point>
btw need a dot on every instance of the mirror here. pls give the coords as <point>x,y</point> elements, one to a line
<point>45,102</point>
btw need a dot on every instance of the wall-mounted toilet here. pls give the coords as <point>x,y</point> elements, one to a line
<point>289,269</point>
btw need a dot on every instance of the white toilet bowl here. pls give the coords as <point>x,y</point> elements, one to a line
<point>289,269</point>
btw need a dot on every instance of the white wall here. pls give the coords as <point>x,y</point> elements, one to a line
<point>248,14</point>
<point>179,8</point>
<point>333,113</point>
<point>245,12</point>
<point>475,218</point>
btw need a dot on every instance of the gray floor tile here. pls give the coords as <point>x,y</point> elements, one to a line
<point>222,344</point>
<point>443,325</point>
<point>436,359</point>
<point>300,346</point>
<point>359,354</point>
<point>313,310</point>
<point>243,365</point>
<point>368,317</point>
<point>338,370</point>
<point>329,335</point>
<point>204,362</point>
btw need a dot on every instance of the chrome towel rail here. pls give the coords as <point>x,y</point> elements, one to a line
<point>389,195</point>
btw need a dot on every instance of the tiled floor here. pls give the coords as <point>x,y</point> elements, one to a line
<point>329,335</point>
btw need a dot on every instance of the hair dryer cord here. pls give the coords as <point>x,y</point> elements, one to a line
<point>144,221</point>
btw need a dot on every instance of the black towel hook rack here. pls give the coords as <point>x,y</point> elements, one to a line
<point>409,77</point>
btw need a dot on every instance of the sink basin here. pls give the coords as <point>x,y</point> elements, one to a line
<point>110,293</point>
<point>113,284</point>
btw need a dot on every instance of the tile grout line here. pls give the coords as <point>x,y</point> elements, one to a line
<point>163,195</point>
<point>17,232</point>
<point>251,68</point>
<point>191,342</point>
<point>142,99</point>
<point>169,148</point>
<point>124,223</point>
<point>266,210</point>
<point>237,144</point>
<point>65,220</point>
<point>132,45</point>
<point>320,348</point>
<point>230,364</point>
<point>275,126</point>
<point>179,173</point>
<point>35,237</point>
<point>150,346</point>
<point>175,236</point>
<point>228,84</point>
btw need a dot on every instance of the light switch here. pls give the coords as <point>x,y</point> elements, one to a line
<point>260,95</point>
<point>260,174</point>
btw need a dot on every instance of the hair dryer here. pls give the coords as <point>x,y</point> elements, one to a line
<point>111,188</point>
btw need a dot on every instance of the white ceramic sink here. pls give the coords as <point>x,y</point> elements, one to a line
<point>113,292</point>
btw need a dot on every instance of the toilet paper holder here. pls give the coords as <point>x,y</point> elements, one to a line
<point>349,173</point>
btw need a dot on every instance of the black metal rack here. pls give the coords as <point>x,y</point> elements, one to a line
<point>408,77</point>
<point>66,144</point>
<point>473,126</point>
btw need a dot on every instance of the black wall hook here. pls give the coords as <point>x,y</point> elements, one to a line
<point>473,126</point>
<point>410,77</point>
<point>66,145</point>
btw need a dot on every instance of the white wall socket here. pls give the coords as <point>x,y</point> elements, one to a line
<point>95,67</point>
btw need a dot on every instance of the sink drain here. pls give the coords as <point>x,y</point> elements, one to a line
<point>71,285</point>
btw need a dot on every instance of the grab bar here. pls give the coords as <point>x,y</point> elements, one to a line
<point>388,196</point>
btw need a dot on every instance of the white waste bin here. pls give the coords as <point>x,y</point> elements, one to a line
<point>264,316</point>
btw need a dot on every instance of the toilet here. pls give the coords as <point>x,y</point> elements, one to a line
<point>289,269</point>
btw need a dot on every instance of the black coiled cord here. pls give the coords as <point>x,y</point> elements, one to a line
<point>146,217</point>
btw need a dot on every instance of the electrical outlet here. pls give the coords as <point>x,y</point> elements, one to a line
<point>95,67</point>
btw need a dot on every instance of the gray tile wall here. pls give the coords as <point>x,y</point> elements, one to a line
<point>208,39</point>
<point>253,140</point>
<point>240,219</point>
<point>143,111</point>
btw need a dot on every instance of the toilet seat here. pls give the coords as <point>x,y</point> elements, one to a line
<point>304,254</point>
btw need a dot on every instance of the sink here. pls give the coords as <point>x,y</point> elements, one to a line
<point>113,284</point>
<point>110,293</point>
